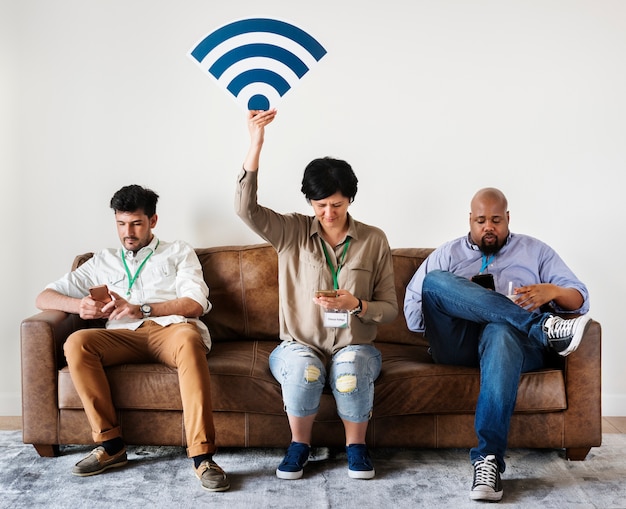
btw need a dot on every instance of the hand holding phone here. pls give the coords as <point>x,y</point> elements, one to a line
<point>100,293</point>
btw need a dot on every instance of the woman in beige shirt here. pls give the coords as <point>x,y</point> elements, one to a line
<point>325,337</point>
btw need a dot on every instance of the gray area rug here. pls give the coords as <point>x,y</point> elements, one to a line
<point>405,478</point>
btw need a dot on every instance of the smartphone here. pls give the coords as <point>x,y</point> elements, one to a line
<point>484,280</point>
<point>100,293</point>
<point>326,293</point>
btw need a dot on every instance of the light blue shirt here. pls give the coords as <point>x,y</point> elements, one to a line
<point>523,260</point>
<point>172,271</point>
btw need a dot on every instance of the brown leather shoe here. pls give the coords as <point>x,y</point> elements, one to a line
<point>97,461</point>
<point>212,477</point>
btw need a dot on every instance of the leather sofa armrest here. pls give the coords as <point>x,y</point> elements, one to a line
<point>46,333</point>
<point>42,338</point>
<point>583,387</point>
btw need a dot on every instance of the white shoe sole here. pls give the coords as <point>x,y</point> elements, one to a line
<point>290,476</point>
<point>492,496</point>
<point>360,474</point>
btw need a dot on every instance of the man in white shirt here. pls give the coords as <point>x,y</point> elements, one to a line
<point>153,297</point>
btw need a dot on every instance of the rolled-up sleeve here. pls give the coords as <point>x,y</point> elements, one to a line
<point>190,278</point>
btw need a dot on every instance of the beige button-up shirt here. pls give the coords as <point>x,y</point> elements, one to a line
<point>367,272</point>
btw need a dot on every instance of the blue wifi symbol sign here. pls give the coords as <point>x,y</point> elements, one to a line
<point>257,60</point>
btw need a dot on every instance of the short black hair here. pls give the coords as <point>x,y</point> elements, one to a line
<point>325,176</point>
<point>132,198</point>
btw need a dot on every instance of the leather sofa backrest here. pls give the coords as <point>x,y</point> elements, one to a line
<point>243,288</point>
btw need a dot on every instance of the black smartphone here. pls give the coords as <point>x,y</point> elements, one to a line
<point>484,280</point>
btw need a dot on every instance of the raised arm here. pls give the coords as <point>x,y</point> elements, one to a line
<point>257,120</point>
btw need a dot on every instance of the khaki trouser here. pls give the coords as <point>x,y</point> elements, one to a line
<point>179,346</point>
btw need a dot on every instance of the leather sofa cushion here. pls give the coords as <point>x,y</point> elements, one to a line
<point>410,383</point>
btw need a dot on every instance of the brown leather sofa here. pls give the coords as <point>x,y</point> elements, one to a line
<point>417,403</point>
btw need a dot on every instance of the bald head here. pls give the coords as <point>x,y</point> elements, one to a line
<point>489,219</point>
<point>489,194</point>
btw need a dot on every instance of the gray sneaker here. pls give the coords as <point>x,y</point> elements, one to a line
<point>212,477</point>
<point>564,335</point>
<point>97,461</point>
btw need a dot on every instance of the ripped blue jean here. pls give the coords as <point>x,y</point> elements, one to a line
<point>351,375</point>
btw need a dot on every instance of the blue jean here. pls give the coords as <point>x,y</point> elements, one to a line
<point>302,376</point>
<point>468,325</point>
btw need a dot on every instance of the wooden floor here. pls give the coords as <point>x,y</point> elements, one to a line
<point>9,423</point>
<point>609,424</point>
<point>614,424</point>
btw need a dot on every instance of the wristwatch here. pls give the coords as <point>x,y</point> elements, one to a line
<point>357,309</point>
<point>146,310</point>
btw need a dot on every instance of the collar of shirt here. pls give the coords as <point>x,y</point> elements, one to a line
<point>143,252</point>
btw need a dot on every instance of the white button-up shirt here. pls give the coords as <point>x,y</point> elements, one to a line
<point>172,271</point>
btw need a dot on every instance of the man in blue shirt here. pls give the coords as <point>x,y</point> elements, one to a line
<point>505,332</point>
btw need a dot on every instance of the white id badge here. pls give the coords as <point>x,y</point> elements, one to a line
<point>337,319</point>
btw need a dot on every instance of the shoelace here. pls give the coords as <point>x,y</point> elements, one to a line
<point>210,465</point>
<point>559,330</point>
<point>485,472</point>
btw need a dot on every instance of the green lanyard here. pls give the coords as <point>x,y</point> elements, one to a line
<point>132,279</point>
<point>334,272</point>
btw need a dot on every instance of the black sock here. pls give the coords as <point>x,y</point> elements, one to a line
<point>199,459</point>
<point>113,446</point>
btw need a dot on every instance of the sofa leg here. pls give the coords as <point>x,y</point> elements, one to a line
<point>47,450</point>
<point>577,453</point>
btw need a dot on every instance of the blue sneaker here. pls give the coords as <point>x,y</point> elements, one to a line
<point>294,461</point>
<point>359,462</point>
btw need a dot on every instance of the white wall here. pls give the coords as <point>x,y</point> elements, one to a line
<point>429,100</point>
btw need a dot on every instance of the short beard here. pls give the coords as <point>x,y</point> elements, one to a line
<point>490,249</point>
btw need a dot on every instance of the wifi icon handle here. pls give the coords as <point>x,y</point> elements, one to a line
<point>257,60</point>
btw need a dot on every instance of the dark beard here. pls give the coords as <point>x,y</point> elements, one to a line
<point>490,249</point>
